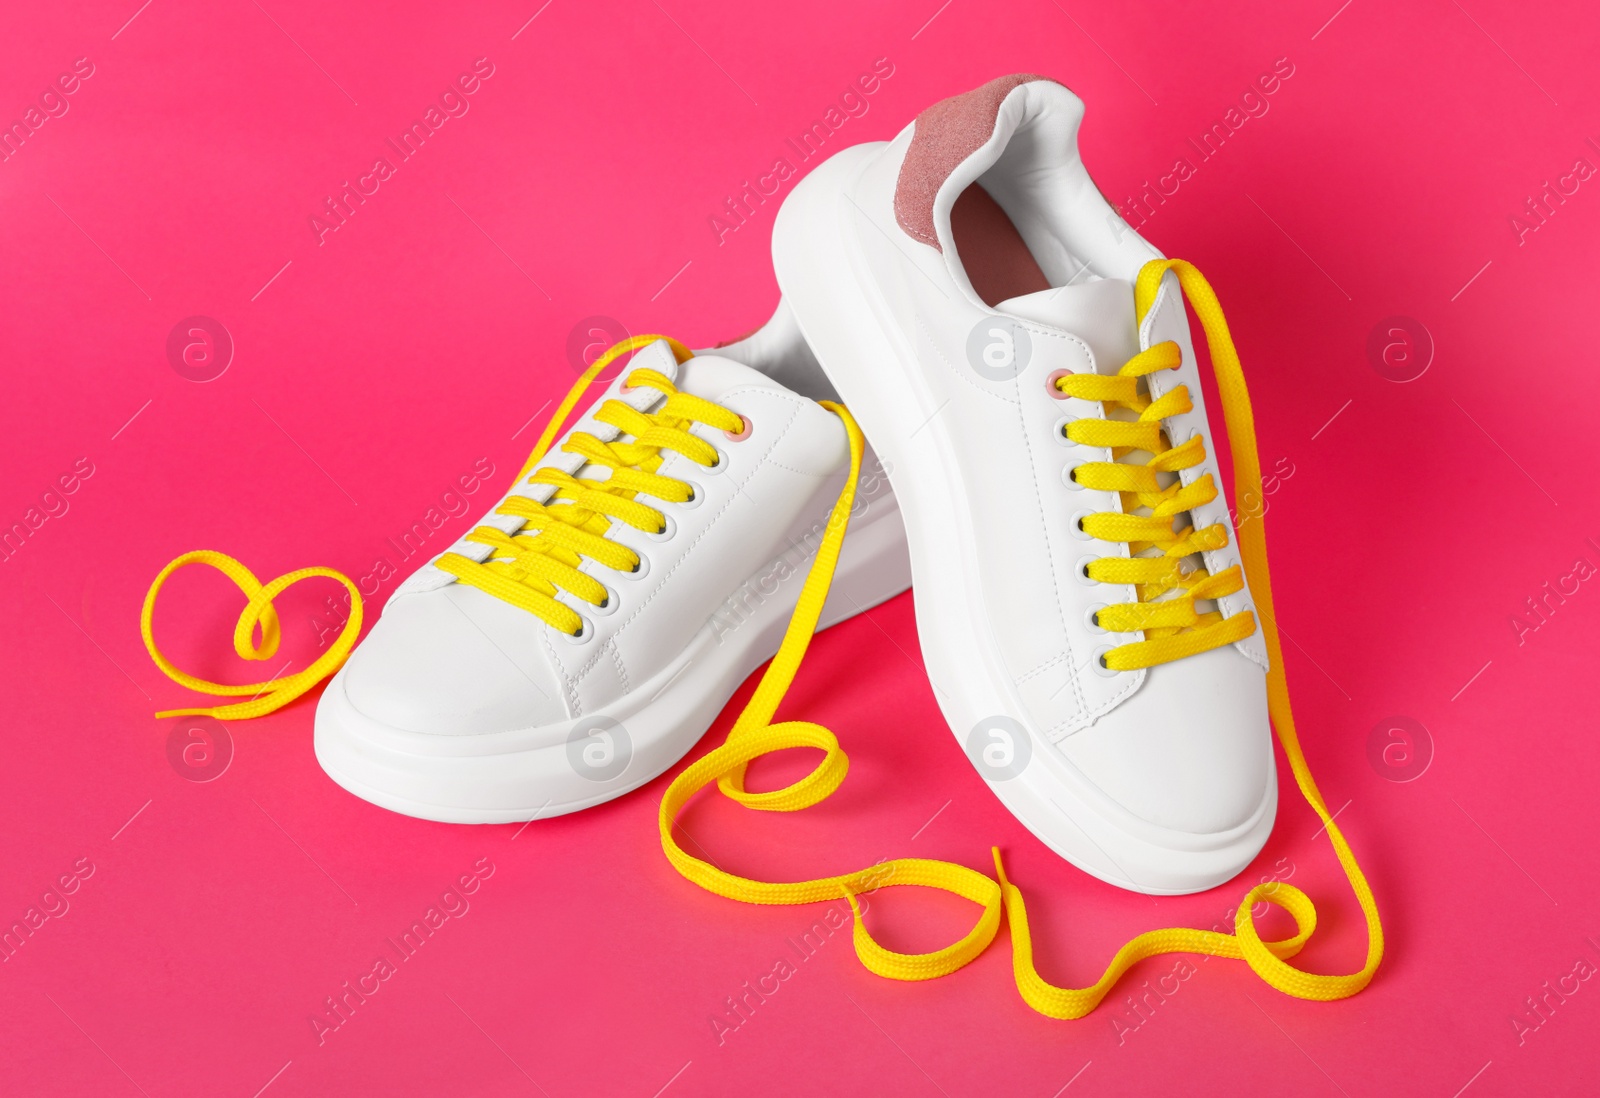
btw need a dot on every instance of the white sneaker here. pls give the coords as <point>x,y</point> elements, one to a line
<point>947,281</point>
<point>561,674</point>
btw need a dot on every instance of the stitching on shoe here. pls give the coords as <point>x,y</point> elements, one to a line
<point>616,658</point>
<point>1044,527</point>
<point>1043,667</point>
<point>568,684</point>
<point>963,375</point>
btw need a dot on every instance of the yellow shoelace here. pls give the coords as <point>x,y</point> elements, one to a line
<point>257,613</point>
<point>526,569</point>
<point>1172,626</point>
<point>753,735</point>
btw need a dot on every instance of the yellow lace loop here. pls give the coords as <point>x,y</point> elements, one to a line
<point>1068,1003</point>
<point>1173,626</point>
<point>528,568</point>
<point>753,735</point>
<point>258,613</point>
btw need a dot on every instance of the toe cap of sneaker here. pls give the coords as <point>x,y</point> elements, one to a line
<point>1190,751</point>
<point>454,661</point>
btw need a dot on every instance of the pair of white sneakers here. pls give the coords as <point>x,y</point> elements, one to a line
<point>1020,360</point>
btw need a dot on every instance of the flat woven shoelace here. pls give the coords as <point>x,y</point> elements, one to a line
<point>1174,627</point>
<point>526,568</point>
<point>753,735</point>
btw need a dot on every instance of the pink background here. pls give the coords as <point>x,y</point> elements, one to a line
<point>374,368</point>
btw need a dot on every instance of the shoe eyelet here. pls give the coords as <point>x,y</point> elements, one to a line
<point>668,528</point>
<point>1077,525</point>
<point>1059,431</point>
<point>697,496</point>
<point>1091,618</point>
<point>1069,477</point>
<point>608,607</point>
<point>1098,661</point>
<point>720,465</point>
<point>1050,384</point>
<point>639,571</point>
<point>1081,571</point>
<point>584,635</point>
<point>743,432</point>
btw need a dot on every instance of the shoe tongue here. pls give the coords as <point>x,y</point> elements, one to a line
<point>655,356</point>
<point>1100,313</point>
<point>710,376</point>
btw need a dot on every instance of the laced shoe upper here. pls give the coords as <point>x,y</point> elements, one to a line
<point>1104,561</point>
<point>611,552</point>
<point>528,568</point>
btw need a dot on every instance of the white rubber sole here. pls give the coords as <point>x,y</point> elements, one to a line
<point>839,311</point>
<point>526,774</point>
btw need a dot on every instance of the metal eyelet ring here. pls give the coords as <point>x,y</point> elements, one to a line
<point>1091,618</point>
<point>668,528</point>
<point>584,635</point>
<point>1081,571</point>
<point>1059,431</point>
<point>745,427</point>
<point>1098,661</point>
<point>606,607</point>
<point>1050,384</point>
<point>640,570</point>
<point>1077,525</point>
<point>1069,477</point>
<point>697,496</point>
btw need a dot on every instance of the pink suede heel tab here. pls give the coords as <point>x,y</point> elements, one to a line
<point>946,134</point>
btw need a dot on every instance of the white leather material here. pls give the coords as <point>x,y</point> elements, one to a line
<point>778,350</point>
<point>1158,779</point>
<point>1004,438</point>
<point>1188,751</point>
<point>770,480</point>
<point>1099,312</point>
<point>452,662</point>
<point>1024,513</point>
<point>1169,725</point>
<point>448,659</point>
